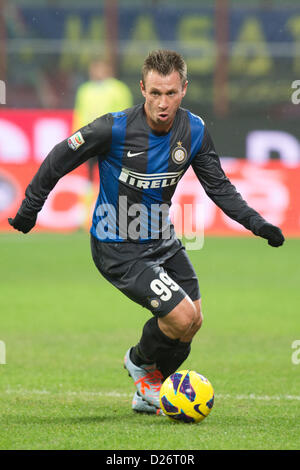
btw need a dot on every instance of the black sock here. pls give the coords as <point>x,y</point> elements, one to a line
<point>152,344</point>
<point>155,347</point>
<point>170,361</point>
<point>137,357</point>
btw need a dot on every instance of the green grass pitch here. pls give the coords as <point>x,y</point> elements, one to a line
<point>66,331</point>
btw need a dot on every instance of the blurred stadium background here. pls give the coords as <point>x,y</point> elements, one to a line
<point>243,57</point>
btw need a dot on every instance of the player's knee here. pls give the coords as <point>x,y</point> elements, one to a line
<point>187,318</point>
<point>198,320</point>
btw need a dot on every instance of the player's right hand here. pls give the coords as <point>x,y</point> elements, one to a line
<point>23,224</point>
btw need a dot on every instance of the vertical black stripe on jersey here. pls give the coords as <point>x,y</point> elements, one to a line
<point>197,127</point>
<point>180,134</point>
<point>136,140</point>
<point>158,154</point>
<point>108,194</point>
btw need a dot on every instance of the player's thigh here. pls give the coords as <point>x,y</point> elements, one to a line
<point>154,288</point>
<point>140,278</point>
<point>186,317</point>
<point>180,269</point>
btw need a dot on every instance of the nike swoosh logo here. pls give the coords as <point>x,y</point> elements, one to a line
<point>129,154</point>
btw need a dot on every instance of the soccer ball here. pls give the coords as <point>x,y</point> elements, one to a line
<point>186,396</point>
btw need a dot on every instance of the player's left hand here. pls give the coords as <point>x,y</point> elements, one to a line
<point>272,233</point>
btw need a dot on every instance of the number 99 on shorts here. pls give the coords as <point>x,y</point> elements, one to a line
<point>164,286</point>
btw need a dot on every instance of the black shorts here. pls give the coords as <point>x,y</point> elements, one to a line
<point>157,275</point>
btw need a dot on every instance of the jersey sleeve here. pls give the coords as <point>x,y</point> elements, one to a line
<point>219,188</point>
<point>89,141</point>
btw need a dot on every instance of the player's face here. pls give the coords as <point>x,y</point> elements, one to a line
<point>163,95</point>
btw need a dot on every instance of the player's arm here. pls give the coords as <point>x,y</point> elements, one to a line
<point>91,140</point>
<point>218,187</point>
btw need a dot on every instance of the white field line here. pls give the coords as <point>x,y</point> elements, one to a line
<point>115,394</point>
<point>79,393</point>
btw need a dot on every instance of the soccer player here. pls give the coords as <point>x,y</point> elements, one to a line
<point>143,152</point>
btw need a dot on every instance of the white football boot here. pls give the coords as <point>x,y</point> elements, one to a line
<point>142,406</point>
<point>147,379</point>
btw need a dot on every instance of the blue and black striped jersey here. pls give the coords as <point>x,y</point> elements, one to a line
<point>139,171</point>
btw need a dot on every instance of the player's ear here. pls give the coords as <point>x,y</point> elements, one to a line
<point>184,88</point>
<point>143,90</point>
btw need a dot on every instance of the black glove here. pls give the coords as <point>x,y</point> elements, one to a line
<point>22,223</point>
<point>272,234</point>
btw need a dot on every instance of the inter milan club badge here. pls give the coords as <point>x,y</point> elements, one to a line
<point>179,154</point>
<point>155,303</point>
